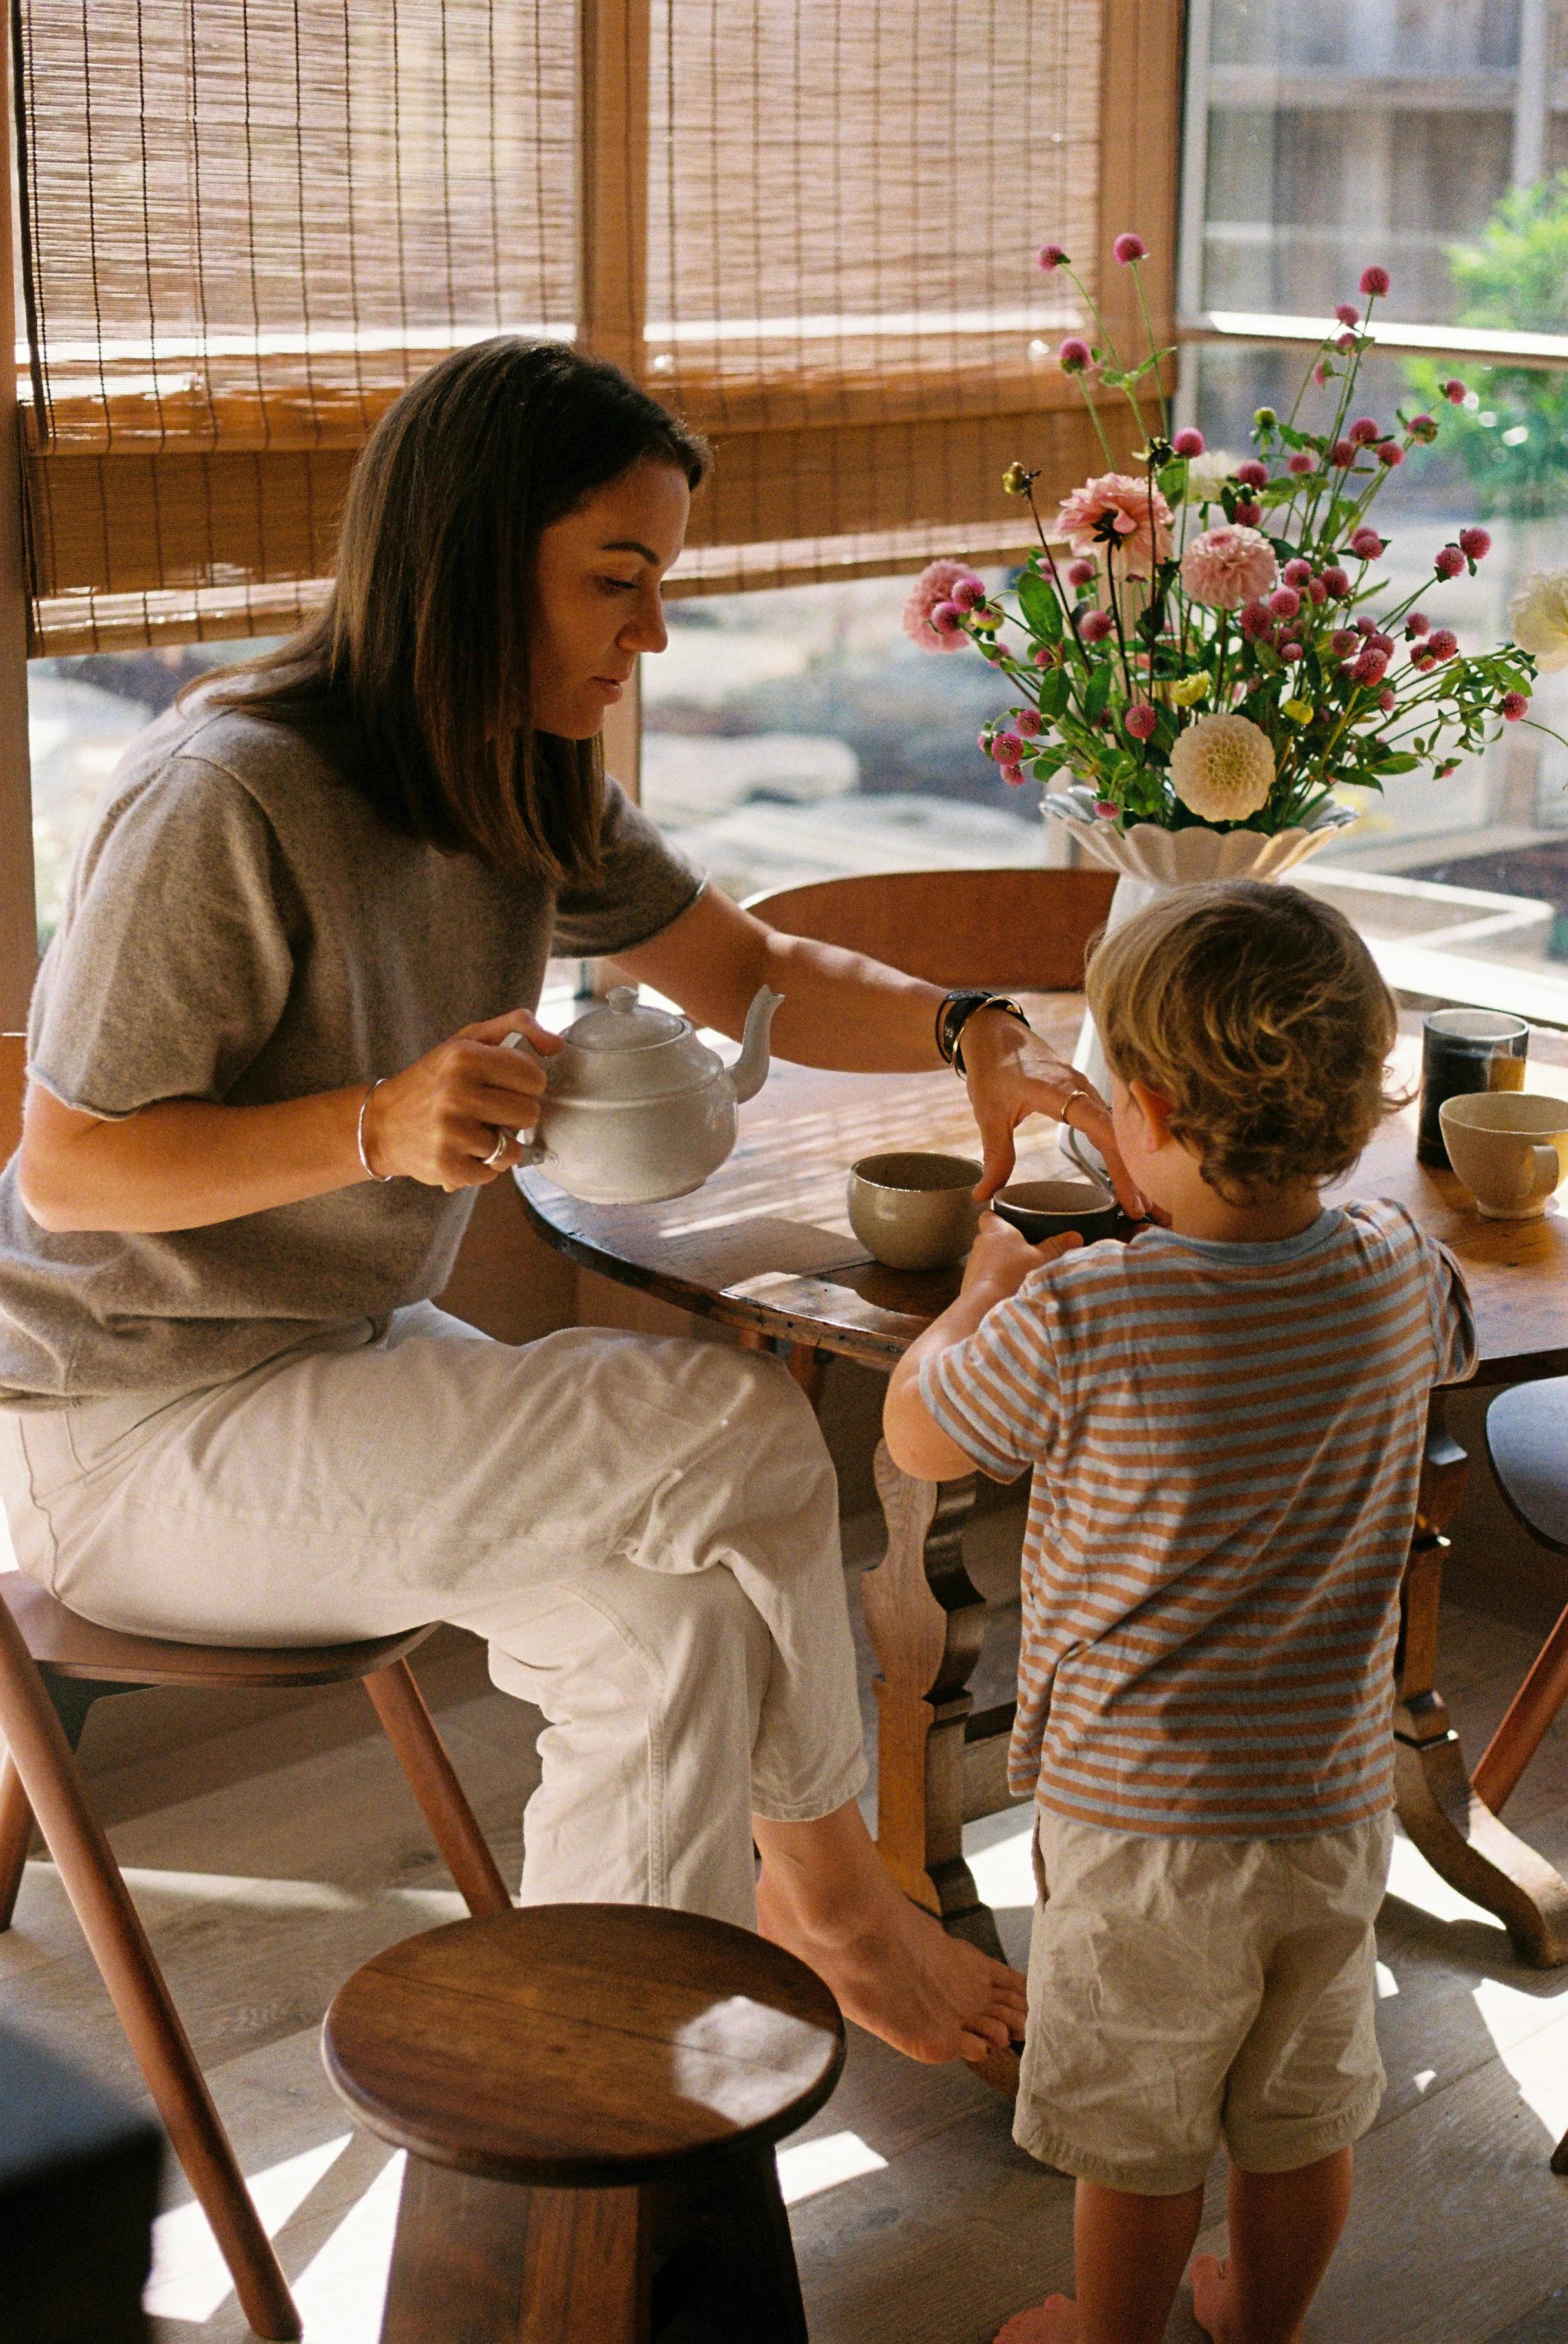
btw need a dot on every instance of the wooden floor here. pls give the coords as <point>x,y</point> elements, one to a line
<point>916,2220</point>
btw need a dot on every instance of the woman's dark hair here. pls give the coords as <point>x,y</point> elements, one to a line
<point>422,645</point>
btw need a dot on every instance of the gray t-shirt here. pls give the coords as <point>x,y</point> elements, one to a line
<point>242,926</point>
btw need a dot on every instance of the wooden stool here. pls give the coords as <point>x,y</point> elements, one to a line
<point>590,2096</point>
<point>53,1667</point>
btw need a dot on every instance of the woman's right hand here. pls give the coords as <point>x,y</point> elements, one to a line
<point>440,1120</point>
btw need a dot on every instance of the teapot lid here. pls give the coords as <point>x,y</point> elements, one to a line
<point>623,1022</point>
<point>624,1049</point>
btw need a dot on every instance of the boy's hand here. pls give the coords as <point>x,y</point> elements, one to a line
<point>1002,1258</point>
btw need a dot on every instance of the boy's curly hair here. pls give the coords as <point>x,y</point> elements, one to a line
<point>1260,1014</point>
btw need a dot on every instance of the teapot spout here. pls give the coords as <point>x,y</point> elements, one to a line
<point>750,1070</point>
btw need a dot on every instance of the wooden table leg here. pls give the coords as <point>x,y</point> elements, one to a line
<point>1451,1824</point>
<point>926,1622</point>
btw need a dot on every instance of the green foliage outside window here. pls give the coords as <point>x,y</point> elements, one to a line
<point>1512,434</point>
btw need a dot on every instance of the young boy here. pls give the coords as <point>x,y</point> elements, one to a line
<point>1225,1421</point>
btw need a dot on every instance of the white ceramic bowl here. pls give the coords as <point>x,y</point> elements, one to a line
<point>912,1210</point>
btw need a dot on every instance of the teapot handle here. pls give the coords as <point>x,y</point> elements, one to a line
<point>533,1150</point>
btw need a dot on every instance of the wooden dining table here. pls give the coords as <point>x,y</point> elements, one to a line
<point>764,1247</point>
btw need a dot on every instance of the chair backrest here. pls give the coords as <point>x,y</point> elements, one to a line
<point>1010,930</point>
<point>13,1085</point>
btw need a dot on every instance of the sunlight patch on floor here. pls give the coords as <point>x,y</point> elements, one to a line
<point>189,2277</point>
<point>813,2165</point>
<point>1004,1870</point>
<point>341,2291</point>
<point>1412,1880</point>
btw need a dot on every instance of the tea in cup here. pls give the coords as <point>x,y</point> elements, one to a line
<point>1509,1147</point>
<point>915,1211</point>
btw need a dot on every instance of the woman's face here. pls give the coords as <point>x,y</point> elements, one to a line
<point>598,604</point>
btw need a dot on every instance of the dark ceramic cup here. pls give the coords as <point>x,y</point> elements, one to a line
<point>1047,1209</point>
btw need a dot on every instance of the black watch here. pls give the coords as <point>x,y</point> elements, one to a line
<point>954,1014</point>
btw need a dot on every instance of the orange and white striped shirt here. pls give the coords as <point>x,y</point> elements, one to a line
<point>1226,1442</point>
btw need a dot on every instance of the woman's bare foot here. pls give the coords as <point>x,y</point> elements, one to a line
<point>1212,2305</point>
<point>825,1895</point>
<point>1055,2321</point>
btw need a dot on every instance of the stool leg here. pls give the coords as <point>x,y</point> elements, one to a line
<point>586,2270</point>
<point>410,1728</point>
<point>15,1838</point>
<point>498,2264</point>
<point>113,1928</point>
<point>730,2267</point>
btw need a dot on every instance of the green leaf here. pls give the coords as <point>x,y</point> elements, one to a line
<point>1098,693</point>
<point>1037,601</point>
<point>1173,481</point>
<point>1054,687</point>
<point>1048,763</point>
<point>1400,763</point>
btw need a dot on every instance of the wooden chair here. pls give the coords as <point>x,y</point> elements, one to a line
<point>1011,930</point>
<point>940,1762</point>
<point>1527,1440</point>
<point>590,2096</point>
<point>53,1667</point>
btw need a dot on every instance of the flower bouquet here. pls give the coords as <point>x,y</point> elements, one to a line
<point>1198,668</point>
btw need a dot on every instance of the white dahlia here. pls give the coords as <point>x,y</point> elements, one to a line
<point>1207,475</point>
<point>1538,615</point>
<point>1223,768</point>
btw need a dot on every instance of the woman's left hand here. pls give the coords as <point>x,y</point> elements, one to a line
<point>1012,1074</point>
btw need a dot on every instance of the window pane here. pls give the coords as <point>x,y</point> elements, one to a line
<point>795,735</point>
<point>1344,132</point>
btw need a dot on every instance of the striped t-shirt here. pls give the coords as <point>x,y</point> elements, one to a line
<point>1227,1441</point>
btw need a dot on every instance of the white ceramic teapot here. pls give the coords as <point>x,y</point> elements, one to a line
<point>635,1107</point>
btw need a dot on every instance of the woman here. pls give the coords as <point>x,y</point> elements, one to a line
<point>266,1082</point>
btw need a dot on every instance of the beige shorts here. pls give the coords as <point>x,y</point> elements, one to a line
<point>1186,1991</point>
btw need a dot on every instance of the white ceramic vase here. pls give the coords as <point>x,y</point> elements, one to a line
<point>1151,862</point>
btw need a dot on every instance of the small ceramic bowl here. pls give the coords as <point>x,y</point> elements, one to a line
<point>915,1211</point>
<point>1046,1208</point>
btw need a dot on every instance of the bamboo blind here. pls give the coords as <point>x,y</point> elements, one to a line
<point>808,225</point>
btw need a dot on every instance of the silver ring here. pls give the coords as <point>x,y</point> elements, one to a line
<point>502,1142</point>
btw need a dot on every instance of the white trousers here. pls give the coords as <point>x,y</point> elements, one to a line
<point>645,1531</point>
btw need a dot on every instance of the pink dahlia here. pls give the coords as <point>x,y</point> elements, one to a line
<point>1227,567</point>
<point>931,590</point>
<point>1116,510</point>
<point>1129,248</point>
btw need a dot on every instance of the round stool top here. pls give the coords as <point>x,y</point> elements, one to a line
<point>582,2045</point>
